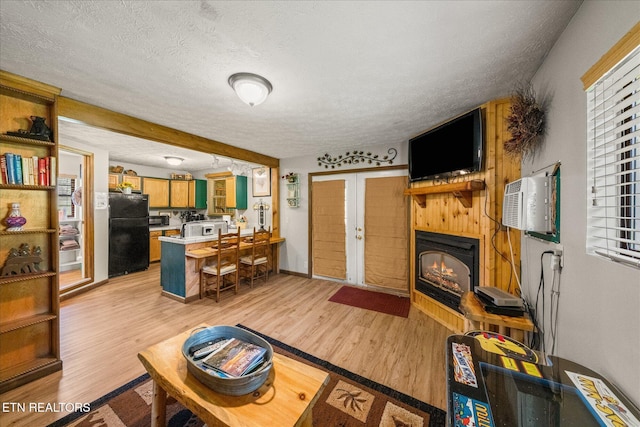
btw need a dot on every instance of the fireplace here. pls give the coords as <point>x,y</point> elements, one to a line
<point>446,266</point>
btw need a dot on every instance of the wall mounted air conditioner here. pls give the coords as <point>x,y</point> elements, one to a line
<point>527,204</point>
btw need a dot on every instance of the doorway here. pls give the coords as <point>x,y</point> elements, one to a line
<point>360,228</point>
<point>75,219</point>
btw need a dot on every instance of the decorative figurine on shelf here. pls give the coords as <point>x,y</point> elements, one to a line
<point>39,130</point>
<point>15,221</point>
<point>22,261</point>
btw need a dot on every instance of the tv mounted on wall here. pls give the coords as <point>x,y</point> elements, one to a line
<point>451,149</point>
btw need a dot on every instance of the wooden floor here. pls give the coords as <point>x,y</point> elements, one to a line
<point>103,330</point>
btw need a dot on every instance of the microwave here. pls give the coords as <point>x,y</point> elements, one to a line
<point>158,220</point>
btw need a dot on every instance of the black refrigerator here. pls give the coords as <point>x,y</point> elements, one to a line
<point>128,233</point>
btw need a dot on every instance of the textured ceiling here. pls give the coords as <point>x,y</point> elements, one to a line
<point>345,74</point>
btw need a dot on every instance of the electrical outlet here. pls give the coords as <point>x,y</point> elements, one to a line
<point>557,258</point>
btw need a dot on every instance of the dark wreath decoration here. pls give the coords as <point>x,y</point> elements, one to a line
<point>526,123</point>
<point>355,157</point>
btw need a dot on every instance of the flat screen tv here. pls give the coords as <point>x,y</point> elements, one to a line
<point>451,149</point>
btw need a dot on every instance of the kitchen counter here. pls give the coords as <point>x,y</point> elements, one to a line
<point>200,239</point>
<point>180,273</point>
<point>163,227</point>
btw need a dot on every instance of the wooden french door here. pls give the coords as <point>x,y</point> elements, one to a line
<point>360,228</point>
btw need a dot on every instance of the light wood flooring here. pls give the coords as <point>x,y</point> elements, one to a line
<point>103,330</point>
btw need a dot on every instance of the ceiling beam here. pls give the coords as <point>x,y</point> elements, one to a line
<point>122,123</point>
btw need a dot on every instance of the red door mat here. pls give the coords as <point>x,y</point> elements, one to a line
<point>370,300</point>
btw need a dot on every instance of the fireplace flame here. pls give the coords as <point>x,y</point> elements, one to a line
<point>442,269</point>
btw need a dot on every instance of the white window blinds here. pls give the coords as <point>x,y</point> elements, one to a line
<point>613,162</point>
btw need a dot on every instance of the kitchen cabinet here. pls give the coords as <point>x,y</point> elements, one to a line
<point>217,196</point>
<point>179,193</point>
<point>189,194</point>
<point>154,246</point>
<point>236,192</point>
<point>29,296</point>
<point>226,193</point>
<point>198,194</point>
<point>114,180</point>
<point>158,191</point>
<point>136,181</point>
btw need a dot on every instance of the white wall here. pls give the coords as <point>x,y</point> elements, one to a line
<point>599,306</point>
<point>142,170</point>
<point>294,222</point>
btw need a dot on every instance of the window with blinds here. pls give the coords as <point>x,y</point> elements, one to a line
<point>613,162</point>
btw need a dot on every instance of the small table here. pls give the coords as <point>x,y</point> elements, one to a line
<point>478,318</point>
<point>285,399</point>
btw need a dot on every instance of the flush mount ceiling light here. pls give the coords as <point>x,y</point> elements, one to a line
<point>252,89</point>
<point>174,161</point>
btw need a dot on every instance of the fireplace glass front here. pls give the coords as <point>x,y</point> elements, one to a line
<point>446,266</point>
<point>445,272</point>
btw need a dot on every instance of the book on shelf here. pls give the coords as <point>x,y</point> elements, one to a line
<point>42,172</point>
<point>235,358</point>
<point>11,169</point>
<point>17,164</point>
<point>27,170</point>
<point>3,170</point>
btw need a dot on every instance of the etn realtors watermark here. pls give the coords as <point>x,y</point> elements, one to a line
<point>6,407</point>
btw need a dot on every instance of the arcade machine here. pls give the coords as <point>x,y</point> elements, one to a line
<point>493,380</point>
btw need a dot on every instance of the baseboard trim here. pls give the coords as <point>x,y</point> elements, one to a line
<point>82,289</point>
<point>174,296</point>
<point>295,273</point>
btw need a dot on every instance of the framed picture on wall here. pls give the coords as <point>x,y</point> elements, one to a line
<point>261,181</point>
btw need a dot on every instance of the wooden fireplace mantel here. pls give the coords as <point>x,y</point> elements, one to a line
<point>460,190</point>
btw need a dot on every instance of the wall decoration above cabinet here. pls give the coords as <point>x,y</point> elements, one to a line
<point>357,157</point>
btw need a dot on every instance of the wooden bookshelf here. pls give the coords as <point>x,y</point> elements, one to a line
<point>29,302</point>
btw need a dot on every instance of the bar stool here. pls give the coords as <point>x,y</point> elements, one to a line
<point>256,265</point>
<point>224,266</point>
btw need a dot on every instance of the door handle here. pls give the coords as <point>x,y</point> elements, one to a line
<point>359,237</point>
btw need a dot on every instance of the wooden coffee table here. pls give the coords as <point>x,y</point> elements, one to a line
<point>285,399</point>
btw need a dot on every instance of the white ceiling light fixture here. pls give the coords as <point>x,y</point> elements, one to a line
<point>174,161</point>
<point>252,89</point>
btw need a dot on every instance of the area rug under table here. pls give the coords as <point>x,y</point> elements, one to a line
<point>348,400</point>
<point>372,300</point>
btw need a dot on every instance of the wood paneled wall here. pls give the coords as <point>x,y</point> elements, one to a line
<point>444,213</point>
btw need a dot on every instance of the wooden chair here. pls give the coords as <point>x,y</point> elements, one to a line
<point>223,272</point>
<point>256,264</point>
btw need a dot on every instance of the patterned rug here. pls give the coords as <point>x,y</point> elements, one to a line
<point>371,300</point>
<point>348,400</point>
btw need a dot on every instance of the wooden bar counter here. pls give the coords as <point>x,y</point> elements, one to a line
<point>285,399</point>
<point>182,259</point>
